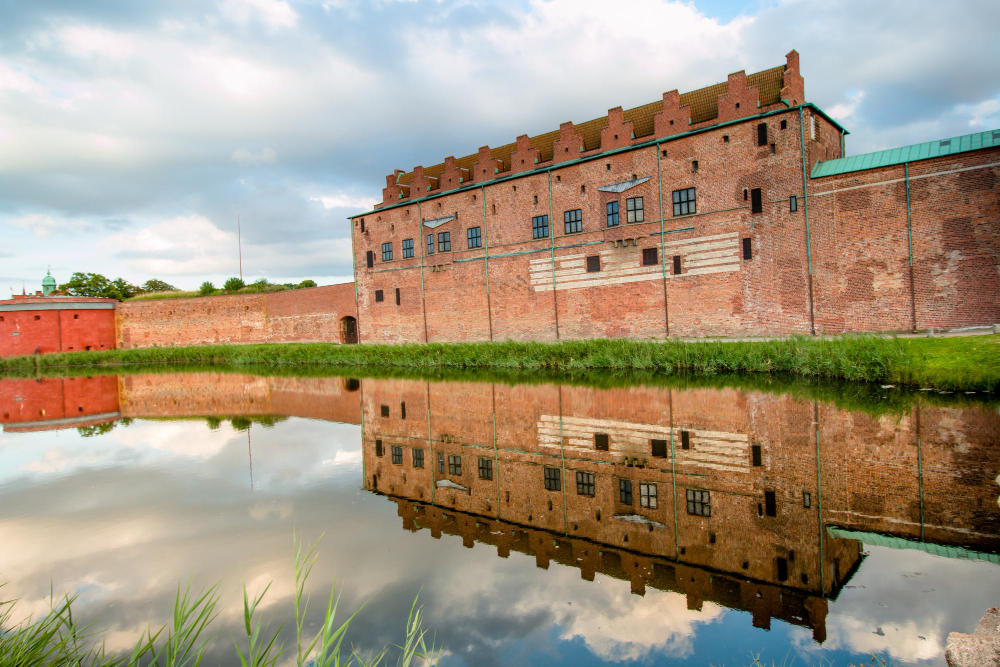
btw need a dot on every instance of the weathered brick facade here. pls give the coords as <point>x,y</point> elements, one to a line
<point>773,474</point>
<point>829,262</point>
<point>40,325</point>
<point>315,314</point>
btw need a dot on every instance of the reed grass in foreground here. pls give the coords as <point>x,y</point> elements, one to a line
<point>57,639</point>
<point>969,363</point>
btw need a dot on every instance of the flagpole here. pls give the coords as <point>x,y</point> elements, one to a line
<point>239,241</point>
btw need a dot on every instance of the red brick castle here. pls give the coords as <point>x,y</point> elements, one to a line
<point>730,210</point>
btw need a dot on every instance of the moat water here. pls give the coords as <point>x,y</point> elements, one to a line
<point>650,522</point>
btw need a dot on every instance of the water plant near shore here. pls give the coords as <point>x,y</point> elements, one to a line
<point>56,638</point>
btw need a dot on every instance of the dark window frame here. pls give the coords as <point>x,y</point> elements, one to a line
<point>430,243</point>
<point>540,227</point>
<point>793,204</point>
<point>602,442</point>
<point>407,248</point>
<point>552,478</point>
<point>648,497</point>
<point>685,201</point>
<point>485,467</point>
<point>699,502</point>
<point>387,252</point>
<point>454,465</point>
<point>625,491</point>
<point>650,256</point>
<point>762,134</point>
<point>379,296</point>
<point>593,264</point>
<point>756,201</point>
<point>397,454</point>
<point>747,248</point>
<point>370,259</point>
<point>474,237</point>
<point>398,303</point>
<point>635,210</point>
<point>444,241</point>
<point>611,209</point>
<point>418,458</point>
<point>678,269</point>
<point>585,483</point>
<point>573,221</point>
<point>658,448</point>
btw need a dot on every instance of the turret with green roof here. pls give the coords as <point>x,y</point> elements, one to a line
<point>48,283</point>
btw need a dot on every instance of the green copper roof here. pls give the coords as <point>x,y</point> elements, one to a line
<point>879,540</point>
<point>924,151</point>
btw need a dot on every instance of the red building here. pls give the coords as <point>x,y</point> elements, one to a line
<point>39,325</point>
<point>726,211</point>
<point>47,404</point>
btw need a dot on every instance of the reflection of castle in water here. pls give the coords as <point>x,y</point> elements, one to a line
<point>741,498</point>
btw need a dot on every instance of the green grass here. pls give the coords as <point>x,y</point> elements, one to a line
<point>948,364</point>
<point>56,638</point>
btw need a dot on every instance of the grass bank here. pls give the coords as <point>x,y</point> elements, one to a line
<point>969,363</point>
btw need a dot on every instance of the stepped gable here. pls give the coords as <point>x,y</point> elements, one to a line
<point>740,96</point>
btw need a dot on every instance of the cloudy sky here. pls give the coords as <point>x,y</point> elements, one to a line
<point>132,134</point>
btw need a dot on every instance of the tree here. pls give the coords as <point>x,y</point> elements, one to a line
<point>306,283</point>
<point>206,288</point>
<point>96,285</point>
<point>233,284</point>
<point>156,285</point>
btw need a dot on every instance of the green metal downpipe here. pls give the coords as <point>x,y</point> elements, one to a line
<point>819,502</point>
<point>423,242</point>
<point>552,239</point>
<point>805,197</point>
<point>663,243</point>
<point>909,244</point>
<point>486,261</point>
<point>354,262</point>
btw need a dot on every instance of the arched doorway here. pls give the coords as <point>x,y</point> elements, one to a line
<point>348,330</point>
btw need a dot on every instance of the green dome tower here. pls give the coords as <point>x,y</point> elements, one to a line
<point>48,283</point>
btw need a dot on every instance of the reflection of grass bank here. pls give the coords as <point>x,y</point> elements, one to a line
<point>56,638</point>
<point>952,364</point>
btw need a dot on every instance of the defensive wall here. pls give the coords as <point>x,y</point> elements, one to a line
<point>752,493</point>
<point>39,325</point>
<point>730,210</point>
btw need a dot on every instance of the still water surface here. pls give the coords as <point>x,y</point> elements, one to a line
<point>540,523</point>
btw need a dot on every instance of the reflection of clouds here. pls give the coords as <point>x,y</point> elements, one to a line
<point>191,439</point>
<point>902,605</point>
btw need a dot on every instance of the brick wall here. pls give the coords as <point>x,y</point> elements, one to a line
<point>55,324</point>
<point>304,315</point>
<point>52,403</point>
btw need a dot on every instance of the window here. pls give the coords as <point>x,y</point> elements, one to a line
<point>553,481</point>
<point>685,202</point>
<point>782,566</point>
<point>647,496</point>
<point>362,225</point>
<point>379,297</point>
<point>784,125</point>
<point>485,468</point>
<point>440,463</point>
<point>649,257</point>
<point>756,201</point>
<point>762,134</point>
<point>747,249</point>
<point>806,499</point>
<point>378,448</point>
<point>793,203</point>
<point>625,491</point>
<point>677,265</point>
<point>573,221</point>
<point>370,258</point>
<point>430,244</point>
<point>612,213</point>
<point>725,138</point>
<point>685,439</point>
<point>474,237</point>
<point>659,448</point>
<point>454,464</point>
<point>407,248</point>
<point>386,252</point>
<point>385,410</point>
<point>402,409</point>
<point>633,210</point>
<point>540,227</point>
<point>694,166</point>
<point>584,483</point>
<point>418,458</point>
<point>755,454</point>
<point>594,264</point>
<point>397,455</point>
<point>444,241</point>
<point>812,127</point>
<point>770,504</point>
<point>601,442</point>
<point>699,503</point>
<point>397,303</point>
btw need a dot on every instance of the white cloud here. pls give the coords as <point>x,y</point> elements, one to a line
<point>40,224</point>
<point>843,111</point>
<point>247,158</point>
<point>346,201</point>
<point>985,114</point>
<point>273,13</point>
<point>89,40</point>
